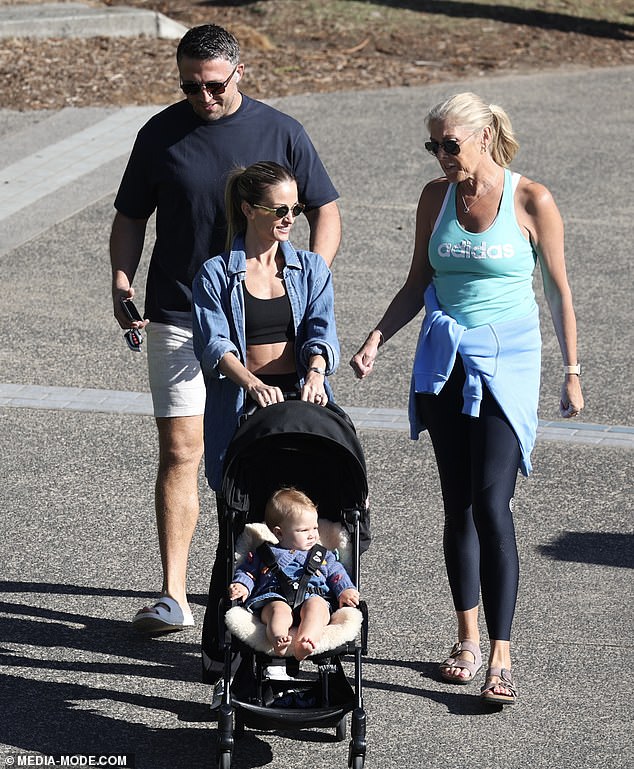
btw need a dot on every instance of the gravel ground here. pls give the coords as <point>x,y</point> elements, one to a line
<point>293,47</point>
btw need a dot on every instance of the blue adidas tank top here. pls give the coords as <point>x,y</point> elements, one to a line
<point>483,277</point>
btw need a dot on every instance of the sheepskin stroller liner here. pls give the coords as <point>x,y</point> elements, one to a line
<point>316,450</point>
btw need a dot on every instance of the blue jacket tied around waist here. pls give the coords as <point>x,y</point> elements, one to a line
<point>506,357</point>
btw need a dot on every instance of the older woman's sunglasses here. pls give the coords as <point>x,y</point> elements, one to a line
<point>450,146</point>
<point>282,211</point>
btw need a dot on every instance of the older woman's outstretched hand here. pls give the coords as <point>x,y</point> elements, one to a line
<point>571,402</point>
<point>363,362</point>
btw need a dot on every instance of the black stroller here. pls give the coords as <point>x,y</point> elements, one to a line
<point>315,449</point>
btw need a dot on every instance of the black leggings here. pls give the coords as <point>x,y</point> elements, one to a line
<point>477,462</point>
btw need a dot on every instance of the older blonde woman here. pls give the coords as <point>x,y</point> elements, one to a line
<point>480,230</point>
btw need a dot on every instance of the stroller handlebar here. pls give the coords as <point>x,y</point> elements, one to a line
<point>251,406</point>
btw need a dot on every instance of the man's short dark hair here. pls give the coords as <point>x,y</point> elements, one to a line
<point>208,41</point>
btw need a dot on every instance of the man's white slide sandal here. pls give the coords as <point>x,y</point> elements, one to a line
<point>164,616</point>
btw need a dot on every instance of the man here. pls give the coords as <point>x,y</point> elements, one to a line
<point>178,168</point>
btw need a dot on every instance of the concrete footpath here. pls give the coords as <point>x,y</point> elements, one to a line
<point>64,20</point>
<point>78,456</point>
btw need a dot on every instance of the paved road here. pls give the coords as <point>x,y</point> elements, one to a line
<point>78,456</point>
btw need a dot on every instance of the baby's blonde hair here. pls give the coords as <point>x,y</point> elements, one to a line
<point>286,503</point>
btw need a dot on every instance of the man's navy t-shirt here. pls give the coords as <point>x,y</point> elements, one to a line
<point>179,167</point>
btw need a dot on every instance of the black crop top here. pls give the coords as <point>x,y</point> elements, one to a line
<point>267,320</point>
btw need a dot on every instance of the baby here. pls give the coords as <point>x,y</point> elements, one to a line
<point>292,517</point>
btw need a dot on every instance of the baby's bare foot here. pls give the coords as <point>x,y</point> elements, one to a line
<point>281,644</point>
<point>303,647</point>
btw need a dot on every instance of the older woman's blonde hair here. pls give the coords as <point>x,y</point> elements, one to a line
<point>469,110</point>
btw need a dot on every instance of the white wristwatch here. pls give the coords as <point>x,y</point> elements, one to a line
<point>576,369</point>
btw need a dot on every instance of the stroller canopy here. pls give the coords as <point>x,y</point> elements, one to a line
<point>295,443</point>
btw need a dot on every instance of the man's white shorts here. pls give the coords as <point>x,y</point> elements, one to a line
<point>176,381</point>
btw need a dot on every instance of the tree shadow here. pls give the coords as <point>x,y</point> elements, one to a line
<point>7,586</point>
<point>601,548</point>
<point>507,14</point>
<point>458,699</point>
<point>47,706</point>
<point>54,717</point>
<point>34,626</point>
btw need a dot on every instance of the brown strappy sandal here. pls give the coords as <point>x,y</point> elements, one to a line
<point>506,681</point>
<point>453,662</point>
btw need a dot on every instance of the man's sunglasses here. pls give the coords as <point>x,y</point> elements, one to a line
<point>450,146</point>
<point>282,211</point>
<point>213,88</point>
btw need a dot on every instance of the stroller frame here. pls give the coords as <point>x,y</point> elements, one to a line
<point>285,429</point>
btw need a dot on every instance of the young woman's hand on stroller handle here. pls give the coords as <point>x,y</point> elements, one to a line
<point>264,395</point>
<point>313,389</point>
<point>349,597</point>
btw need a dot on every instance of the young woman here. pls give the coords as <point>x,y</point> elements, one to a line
<point>263,325</point>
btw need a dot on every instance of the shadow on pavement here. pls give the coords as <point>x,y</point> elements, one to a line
<point>601,548</point>
<point>457,699</point>
<point>7,586</point>
<point>528,17</point>
<point>64,718</point>
<point>57,717</point>
<point>35,626</point>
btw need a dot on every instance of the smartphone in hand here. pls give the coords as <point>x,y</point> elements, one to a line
<point>130,310</point>
<point>133,336</point>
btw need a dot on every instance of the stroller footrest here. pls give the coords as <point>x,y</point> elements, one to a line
<point>260,717</point>
<point>345,626</point>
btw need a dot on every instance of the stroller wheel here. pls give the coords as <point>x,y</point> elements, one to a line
<point>340,734</point>
<point>224,742</point>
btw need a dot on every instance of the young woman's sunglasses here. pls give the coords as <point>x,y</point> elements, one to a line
<point>282,211</point>
<point>190,88</point>
<point>450,146</point>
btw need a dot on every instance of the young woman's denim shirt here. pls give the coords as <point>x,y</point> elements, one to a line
<point>218,327</point>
